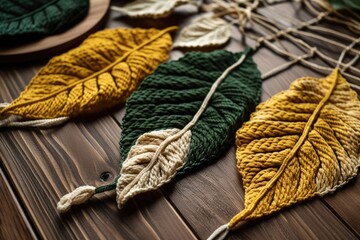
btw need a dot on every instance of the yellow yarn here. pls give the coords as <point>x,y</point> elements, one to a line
<point>102,72</point>
<point>300,143</point>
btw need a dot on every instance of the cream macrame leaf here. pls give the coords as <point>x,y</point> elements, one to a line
<point>300,143</point>
<point>149,8</point>
<point>205,31</point>
<point>144,169</point>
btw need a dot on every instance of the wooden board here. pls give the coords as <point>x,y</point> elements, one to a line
<point>56,44</point>
<point>45,164</point>
<point>10,213</point>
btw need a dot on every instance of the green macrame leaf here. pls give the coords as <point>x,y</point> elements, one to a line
<point>167,101</point>
<point>345,4</point>
<point>39,17</point>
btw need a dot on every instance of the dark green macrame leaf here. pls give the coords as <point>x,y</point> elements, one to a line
<point>345,4</point>
<point>171,96</point>
<point>33,18</point>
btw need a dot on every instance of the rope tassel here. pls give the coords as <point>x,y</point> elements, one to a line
<point>76,197</point>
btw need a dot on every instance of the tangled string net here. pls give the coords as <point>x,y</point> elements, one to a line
<point>309,35</point>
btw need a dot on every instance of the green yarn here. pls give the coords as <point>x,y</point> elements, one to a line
<point>345,4</point>
<point>34,18</point>
<point>171,96</point>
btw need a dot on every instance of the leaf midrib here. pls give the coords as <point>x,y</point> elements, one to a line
<point>31,13</point>
<point>91,76</point>
<point>299,143</point>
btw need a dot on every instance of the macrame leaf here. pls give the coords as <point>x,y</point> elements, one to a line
<point>204,32</point>
<point>300,143</point>
<point>143,171</point>
<point>38,18</point>
<point>172,96</point>
<point>345,4</point>
<point>102,72</point>
<point>149,8</point>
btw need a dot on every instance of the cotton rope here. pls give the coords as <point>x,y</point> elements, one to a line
<point>15,121</point>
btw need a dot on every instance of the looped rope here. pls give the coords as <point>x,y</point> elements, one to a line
<point>343,53</point>
<point>76,197</point>
<point>248,12</point>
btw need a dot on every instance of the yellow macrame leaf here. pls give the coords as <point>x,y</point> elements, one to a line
<point>300,143</point>
<point>102,72</point>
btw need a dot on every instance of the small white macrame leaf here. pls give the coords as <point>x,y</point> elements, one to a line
<point>149,8</point>
<point>205,31</point>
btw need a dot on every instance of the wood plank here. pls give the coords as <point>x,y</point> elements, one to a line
<point>13,222</point>
<point>45,164</point>
<point>345,203</point>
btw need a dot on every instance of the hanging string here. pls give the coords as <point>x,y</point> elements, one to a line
<point>302,43</point>
<point>247,13</point>
<point>347,49</point>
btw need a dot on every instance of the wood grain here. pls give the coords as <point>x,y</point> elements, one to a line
<point>45,164</point>
<point>13,222</point>
<point>346,205</point>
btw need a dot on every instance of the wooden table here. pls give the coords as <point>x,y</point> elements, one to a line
<point>37,167</point>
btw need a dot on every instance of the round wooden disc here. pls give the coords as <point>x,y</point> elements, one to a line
<point>56,44</point>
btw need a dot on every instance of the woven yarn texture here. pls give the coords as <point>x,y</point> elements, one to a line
<point>102,72</point>
<point>300,143</point>
<point>32,18</point>
<point>345,4</point>
<point>171,96</point>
